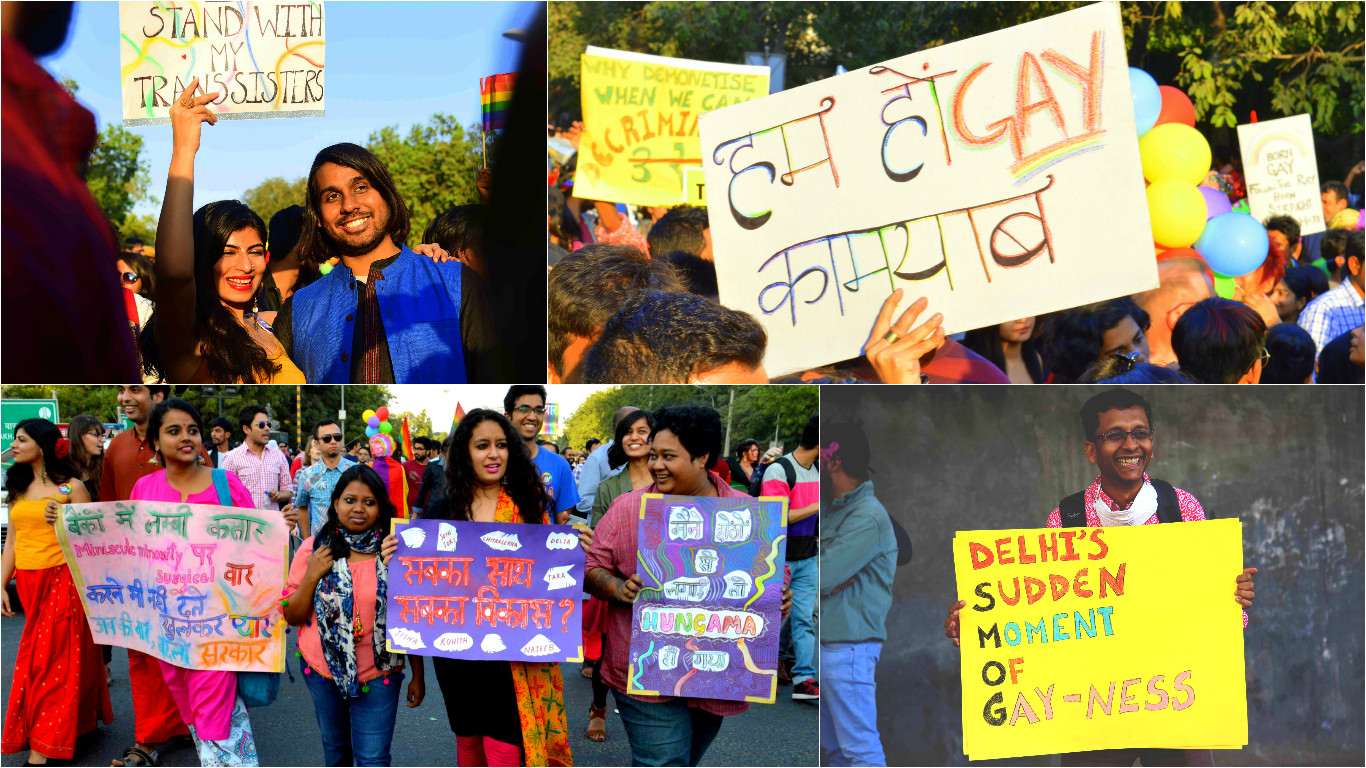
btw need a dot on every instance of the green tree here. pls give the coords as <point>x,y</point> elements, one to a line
<point>434,167</point>
<point>116,173</point>
<point>418,423</point>
<point>1231,57</point>
<point>143,227</point>
<point>755,411</point>
<point>275,194</point>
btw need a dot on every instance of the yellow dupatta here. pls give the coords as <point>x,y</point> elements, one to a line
<point>539,687</point>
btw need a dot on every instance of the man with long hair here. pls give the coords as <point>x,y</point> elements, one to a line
<point>385,315</point>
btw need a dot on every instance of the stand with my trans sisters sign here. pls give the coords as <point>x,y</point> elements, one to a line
<point>1101,638</point>
<point>470,590</point>
<point>195,585</point>
<point>265,59</point>
<point>707,620</point>
<point>998,176</point>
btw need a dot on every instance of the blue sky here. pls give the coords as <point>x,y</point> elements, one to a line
<point>388,63</point>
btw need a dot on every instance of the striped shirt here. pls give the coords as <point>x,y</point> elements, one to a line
<point>260,474</point>
<point>1334,313</point>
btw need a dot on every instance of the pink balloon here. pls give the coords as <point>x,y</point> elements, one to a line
<point>1215,201</point>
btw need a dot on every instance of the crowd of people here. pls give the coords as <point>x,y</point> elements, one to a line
<point>633,299</point>
<point>337,499</point>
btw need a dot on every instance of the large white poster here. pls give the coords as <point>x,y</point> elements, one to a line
<point>999,176</point>
<point>1282,172</point>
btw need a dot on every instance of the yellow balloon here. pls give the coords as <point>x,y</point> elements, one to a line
<point>368,413</point>
<point>1174,151</point>
<point>1177,210</point>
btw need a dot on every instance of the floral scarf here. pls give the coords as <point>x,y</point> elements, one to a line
<point>334,606</point>
<point>539,687</point>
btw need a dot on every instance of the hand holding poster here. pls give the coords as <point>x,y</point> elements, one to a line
<point>707,620</point>
<point>265,59</point>
<point>1101,638</point>
<point>1282,171</point>
<point>468,590</point>
<point>640,121</point>
<point>998,176</point>
<point>194,585</point>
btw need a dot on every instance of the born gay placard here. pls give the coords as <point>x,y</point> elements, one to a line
<point>1101,638</point>
<point>195,585</point>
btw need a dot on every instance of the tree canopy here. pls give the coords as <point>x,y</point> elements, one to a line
<point>755,411</point>
<point>1232,58</point>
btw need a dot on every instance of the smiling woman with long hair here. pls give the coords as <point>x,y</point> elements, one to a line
<point>209,268</point>
<point>59,688</point>
<point>502,712</point>
<point>207,699</point>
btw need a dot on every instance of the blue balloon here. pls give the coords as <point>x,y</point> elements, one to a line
<point>1147,99</point>
<point>371,431</point>
<point>1233,243</point>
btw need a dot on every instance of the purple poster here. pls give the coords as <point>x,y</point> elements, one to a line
<point>469,590</point>
<point>707,620</point>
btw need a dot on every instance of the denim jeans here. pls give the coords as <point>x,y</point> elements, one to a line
<point>355,731</point>
<point>849,733</point>
<point>805,592</point>
<point>669,733</point>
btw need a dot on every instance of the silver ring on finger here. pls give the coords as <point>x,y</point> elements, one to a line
<point>891,337</point>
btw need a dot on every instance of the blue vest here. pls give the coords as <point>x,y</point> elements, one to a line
<point>419,301</point>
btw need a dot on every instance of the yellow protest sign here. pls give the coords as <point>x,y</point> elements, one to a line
<point>1101,638</point>
<point>695,186</point>
<point>640,121</point>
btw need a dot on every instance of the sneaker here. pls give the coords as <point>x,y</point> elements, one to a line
<point>784,671</point>
<point>806,690</point>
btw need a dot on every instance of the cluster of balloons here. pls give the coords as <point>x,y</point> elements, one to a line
<point>377,422</point>
<point>1176,159</point>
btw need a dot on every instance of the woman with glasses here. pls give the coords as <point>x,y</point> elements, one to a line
<point>58,691</point>
<point>86,435</point>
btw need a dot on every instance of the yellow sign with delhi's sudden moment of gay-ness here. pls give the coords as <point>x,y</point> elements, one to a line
<point>640,121</point>
<point>1101,638</point>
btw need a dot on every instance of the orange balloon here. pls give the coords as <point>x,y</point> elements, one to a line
<point>1176,107</point>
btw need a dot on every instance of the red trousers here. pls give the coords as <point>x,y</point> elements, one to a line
<point>484,751</point>
<point>155,715</point>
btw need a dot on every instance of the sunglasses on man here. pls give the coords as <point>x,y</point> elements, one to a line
<point>332,438</point>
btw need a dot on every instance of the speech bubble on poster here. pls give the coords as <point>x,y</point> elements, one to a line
<point>707,619</point>
<point>1086,638</point>
<point>640,121</point>
<point>506,592</point>
<point>997,176</point>
<point>264,59</point>
<point>1282,171</point>
<point>195,585</point>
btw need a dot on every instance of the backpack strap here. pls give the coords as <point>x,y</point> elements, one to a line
<point>903,542</point>
<point>1072,510</point>
<point>1168,506</point>
<point>220,486</point>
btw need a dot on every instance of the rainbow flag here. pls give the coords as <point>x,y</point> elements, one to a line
<point>495,98</point>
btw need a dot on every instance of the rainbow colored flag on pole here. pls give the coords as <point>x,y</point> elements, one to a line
<point>495,98</point>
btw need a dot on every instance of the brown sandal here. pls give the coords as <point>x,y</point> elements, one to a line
<point>597,723</point>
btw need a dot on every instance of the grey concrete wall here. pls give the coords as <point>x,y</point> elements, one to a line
<point>1287,461</point>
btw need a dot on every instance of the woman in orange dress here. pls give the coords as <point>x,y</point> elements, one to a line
<point>502,712</point>
<point>59,690</point>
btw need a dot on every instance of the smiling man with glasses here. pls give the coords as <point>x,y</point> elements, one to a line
<point>262,468</point>
<point>524,405</point>
<point>317,480</point>
<point>1119,438</point>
